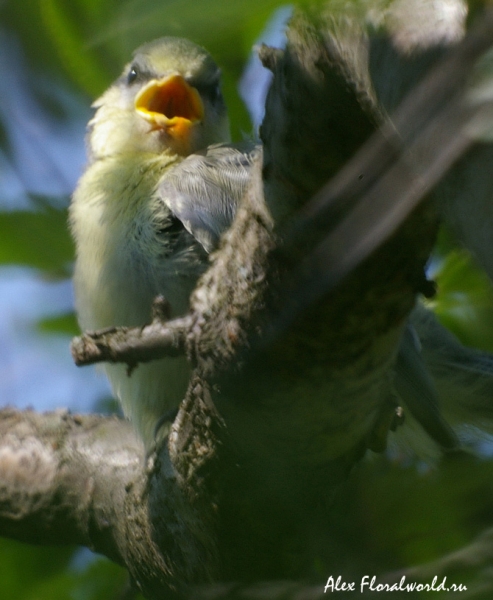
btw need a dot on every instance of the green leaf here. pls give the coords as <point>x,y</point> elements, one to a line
<point>67,33</point>
<point>464,302</point>
<point>36,239</point>
<point>28,572</point>
<point>60,324</point>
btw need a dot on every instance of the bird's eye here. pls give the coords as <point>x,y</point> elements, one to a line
<point>211,91</point>
<point>132,74</point>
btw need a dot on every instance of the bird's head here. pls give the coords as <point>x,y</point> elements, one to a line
<point>167,99</point>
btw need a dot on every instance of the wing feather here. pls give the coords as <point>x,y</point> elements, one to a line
<point>205,189</point>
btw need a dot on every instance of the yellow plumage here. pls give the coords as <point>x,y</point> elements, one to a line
<point>129,248</point>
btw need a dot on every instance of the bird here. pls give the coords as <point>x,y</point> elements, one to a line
<point>162,183</point>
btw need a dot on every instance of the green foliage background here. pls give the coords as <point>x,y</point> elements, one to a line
<point>391,514</point>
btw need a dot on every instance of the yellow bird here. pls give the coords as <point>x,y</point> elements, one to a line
<point>161,185</point>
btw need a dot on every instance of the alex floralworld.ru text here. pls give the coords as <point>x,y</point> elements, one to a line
<point>371,585</point>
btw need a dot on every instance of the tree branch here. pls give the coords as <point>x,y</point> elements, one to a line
<point>64,478</point>
<point>132,345</point>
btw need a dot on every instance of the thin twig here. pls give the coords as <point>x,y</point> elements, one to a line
<point>132,345</point>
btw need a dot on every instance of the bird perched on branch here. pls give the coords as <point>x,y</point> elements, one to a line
<point>160,187</point>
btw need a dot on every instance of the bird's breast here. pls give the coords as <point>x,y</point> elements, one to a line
<point>114,222</point>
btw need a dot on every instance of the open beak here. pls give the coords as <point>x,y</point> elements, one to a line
<point>170,104</point>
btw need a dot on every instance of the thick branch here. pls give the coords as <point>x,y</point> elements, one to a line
<point>82,479</point>
<point>71,471</point>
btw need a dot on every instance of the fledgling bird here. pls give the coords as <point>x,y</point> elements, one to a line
<point>160,187</point>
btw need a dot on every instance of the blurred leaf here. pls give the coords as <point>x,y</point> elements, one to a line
<point>47,573</point>
<point>464,302</point>
<point>65,25</point>
<point>29,572</point>
<point>37,239</point>
<point>219,25</point>
<point>60,324</point>
<point>27,24</point>
<point>395,516</point>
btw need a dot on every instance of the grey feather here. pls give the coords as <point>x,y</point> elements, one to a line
<point>416,388</point>
<point>462,376</point>
<point>204,190</point>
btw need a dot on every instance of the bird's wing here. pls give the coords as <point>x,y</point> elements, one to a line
<point>204,190</point>
<point>462,376</point>
<point>416,388</point>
